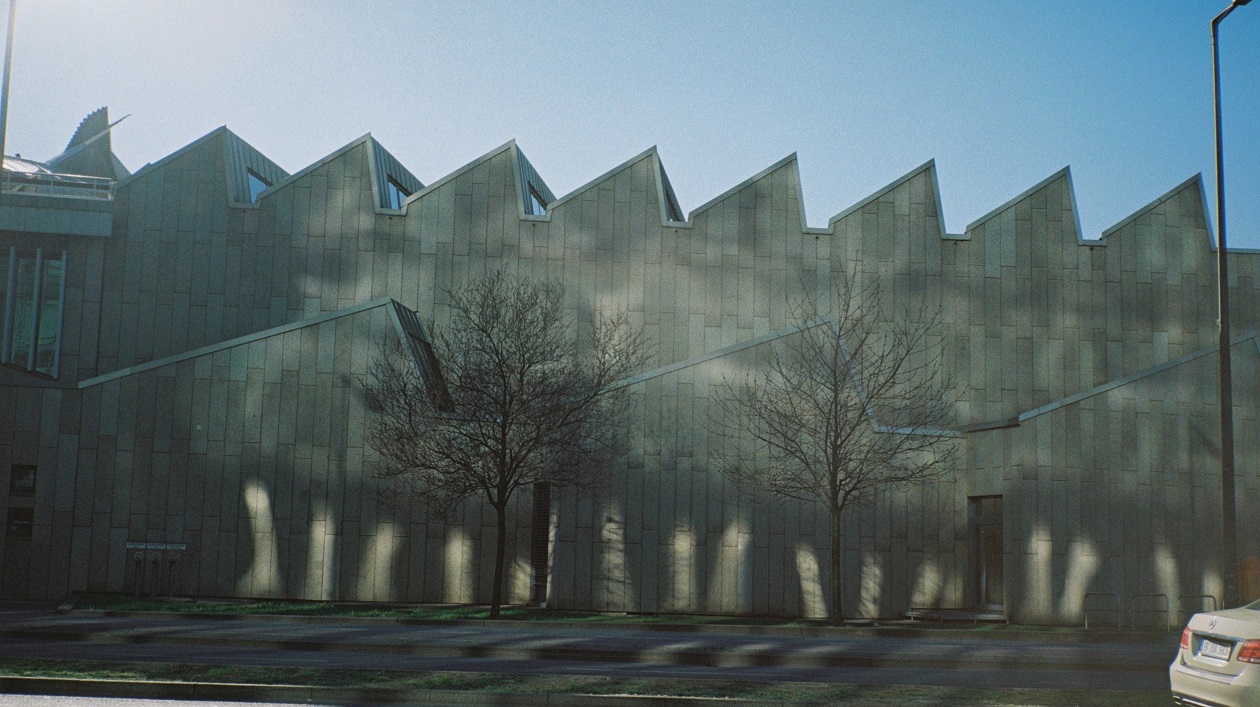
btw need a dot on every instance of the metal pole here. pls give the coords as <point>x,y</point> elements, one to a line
<point>1229,510</point>
<point>4,82</point>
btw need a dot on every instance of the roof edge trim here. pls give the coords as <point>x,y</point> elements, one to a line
<point>335,154</point>
<point>450,177</point>
<point>929,165</point>
<point>742,185</point>
<point>1021,196</point>
<point>596,181</point>
<point>1156,202</point>
<point>1125,380</point>
<point>154,165</point>
<point>231,343</point>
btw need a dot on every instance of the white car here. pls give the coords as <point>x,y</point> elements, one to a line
<point>1219,660</point>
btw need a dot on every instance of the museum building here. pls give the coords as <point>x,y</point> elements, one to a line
<point>184,347</point>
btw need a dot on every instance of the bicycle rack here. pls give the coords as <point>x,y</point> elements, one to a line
<point>1134,612</point>
<point>1183,615</point>
<point>1114,598</point>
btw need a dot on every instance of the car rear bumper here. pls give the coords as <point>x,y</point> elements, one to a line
<point>1201,688</point>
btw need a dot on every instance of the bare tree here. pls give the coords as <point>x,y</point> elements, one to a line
<point>851,404</point>
<point>508,397</point>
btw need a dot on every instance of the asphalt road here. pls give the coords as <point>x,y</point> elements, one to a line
<point>61,701</point>
<point>947,661</point>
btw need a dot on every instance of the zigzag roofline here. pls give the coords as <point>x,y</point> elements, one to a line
<point>149,167</point>
<point>438,184</point>
<point>652,152</point>
<point>1066,172</point>
<point>603,177</point>
<point>302,173</point>
<point>1196,180</point>
<point>930,165</point>
<point>741,186</point>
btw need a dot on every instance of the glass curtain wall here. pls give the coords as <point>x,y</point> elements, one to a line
<point>32,290</point>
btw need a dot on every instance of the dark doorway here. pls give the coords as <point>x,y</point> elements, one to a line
<point>986,540</point>
<point>540,543</point>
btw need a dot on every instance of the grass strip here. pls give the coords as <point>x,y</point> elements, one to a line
<point>350,610</point>
<point>577,685</point>
<point>108,602</point>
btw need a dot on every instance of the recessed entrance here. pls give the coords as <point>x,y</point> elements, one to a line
<point>985,516</point>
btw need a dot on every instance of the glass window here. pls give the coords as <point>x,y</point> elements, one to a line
<point>20,523</point>
<point>433,377</point>
<point>32,286</point>
<point>4,286</point>
<point>49,313</point>
<point>395,194</point>
<point>672,212</point>
<point>257,185</point>
<point>537,204</point>
<point>22,480</point>
<point>22,325</point>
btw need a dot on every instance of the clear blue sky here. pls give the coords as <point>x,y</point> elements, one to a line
<point>1002,94</point>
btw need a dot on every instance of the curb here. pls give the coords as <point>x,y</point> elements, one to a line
<point>344,695</point>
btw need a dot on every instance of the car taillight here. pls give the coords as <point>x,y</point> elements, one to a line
<point>1249,652</point>
<point>1185,638</point>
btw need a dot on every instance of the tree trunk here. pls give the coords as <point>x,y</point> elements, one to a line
<point>837,567</point>
<point>496,598</point>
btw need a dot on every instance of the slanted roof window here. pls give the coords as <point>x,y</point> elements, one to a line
<point>537,204</point>
<point>395,194</point>
<point>257,185</point>
<point>672,212</point>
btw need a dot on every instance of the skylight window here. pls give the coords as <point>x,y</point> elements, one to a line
<point>537,204</point>
<point>395,194</point>
<point>671,208</point>
<point>257,185</point>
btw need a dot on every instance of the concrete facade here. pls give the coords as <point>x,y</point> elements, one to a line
<point>205,434</point>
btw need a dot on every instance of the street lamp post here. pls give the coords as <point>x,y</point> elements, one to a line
<point>1229,519</point>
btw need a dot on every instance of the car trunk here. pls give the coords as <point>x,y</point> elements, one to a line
<point>1214,648</point>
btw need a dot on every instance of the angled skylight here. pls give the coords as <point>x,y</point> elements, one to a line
<point>537,205</point>
<point>535,196</point>
<point>257,185</point>
<point>395,193</point>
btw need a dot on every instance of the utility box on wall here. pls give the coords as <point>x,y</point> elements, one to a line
<point>155,569</point>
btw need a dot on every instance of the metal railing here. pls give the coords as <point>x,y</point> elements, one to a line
<point>1135,612</point>
<point>1140,606</point>
<point>59,185</point>
<point>1183,615</point>
<point>1103,609</point>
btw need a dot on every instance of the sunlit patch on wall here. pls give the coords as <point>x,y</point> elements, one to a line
<point>376,570</point>
<point>813,597</point>
<point>927,587</point>
<point>1038,602</point>
<point>682,560</point>
<point>1082,566</point>
<point>321,566</point>
<point>263,576</point>
<point>872,585</point>
<point>459,569</point>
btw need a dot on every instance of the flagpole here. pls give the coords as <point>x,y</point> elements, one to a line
<point>4,82</point>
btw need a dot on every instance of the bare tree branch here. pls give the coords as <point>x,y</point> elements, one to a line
<point>523,401</point>
<point>853,404</point>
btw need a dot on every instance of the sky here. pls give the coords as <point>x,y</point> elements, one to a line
<point>1001,94</point>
